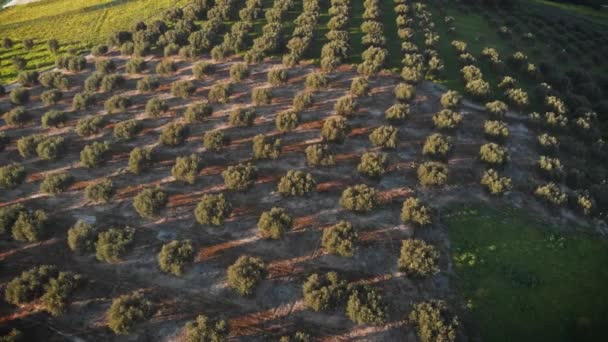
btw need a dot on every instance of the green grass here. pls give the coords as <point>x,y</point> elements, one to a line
<point>73,23</point>
<point>598,16</point>
<point>524,282</point>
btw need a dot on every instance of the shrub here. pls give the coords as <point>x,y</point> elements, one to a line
<point>432,173</point>
<point>239,177</point>
<point>140,160</point>
<point>174,256</point>
<point>551,194</point>
<point>447,119</point>
<point>105,66</point>
<point>478,88</point>
<point>334,129</point>
<point>212,210</point>
<point>17,117</point>
<point>418,258</point>
<point>239,72</point>
<point>319,155</point>
<point>384,136</point>
<point>302,100</point>
<point>94,154</point>
<point>81,237</point>
<point>493,154</point>
<point>366,306</point>
<point>111,82</point>
<point>277,77</point>
<point>214,140</point>
<point>202,70</point>
<point>287,120</point>
<point>19,96</point>
<point>245,274</point>
<point>496,184</point>
<point>128,310</point>
<point>242,117</point>
<point>173,134</point>
<point>29,285</point>
<point>219,93</point>
<point>149,202</point>
<point>372,164</point>
<point>50,148</point>
<point>186,168</point>
<point>197,112</point>
<point>451,100</point>
<point>496,129</point>
<point>155,107</point>
<point>359,198</point>
<point>166,67</point>
<point>296,183</point>
<point>56,183</point>
<point>346,106</point>
<point>136,66</point>
<point>359,86</point>
<point>93,82</point>
<point>57,292</point>
<point>496,108</point>
<point>30,226</point>
<point>27,145</point>
<point>89,125</point>
<point>405,92</point>
<point>273,224</point>
<point>83,101</point>
<point>117,103</point>
<point>340,239</point>
<point>54,80</point>
<point>101,191</point>
<point>551,167</point>
<point>206,329</point>
<point>266,147</point>
<point>433,322</point>
<point>316,81</point>
<point>183,89</point>
<point>51,97</point>
<point>397,112</point>
<point>148,83</point>
<point>128,129</point>
<point>437,145</point>
<point>8,216</point>
<point>261,96</point>
<point>324,292</point>
<point>415,212</point>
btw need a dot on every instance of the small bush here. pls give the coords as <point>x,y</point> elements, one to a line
<point>340,239</point>
<point>287,120</point>
<point>245,274</point>
<point>50,148</point>
<point>296,183</point>
<point>149,202</point>
<point>273,224</point>
<point>433,322</point>
<point>242,117</point>
<point>101,191</point>
<point>497,108</point>
<point>19,96</point>
<point>324,292</point>
<point>148,83</point>
<point>136,66</point>
<point>447,119</point>
<point>437,145</point>
<point>432,173</point>
<point>277,77</point>
<point>51,97</point>
<point>204,328</point>
<point>384,136</point>
<point>197,112</point>
<point>117,103</point>
<point>212,210</point>
<point>334,129</point>
<point>140,160</point>
<point>266,147</point>
<point>366,306</point>
<point>202,70</point>
<point>81,237</point>
<point>166,67</point>
<point>186,168</point>
<point>112,82</point>
<point>54,80</point>
<point>551,168</point>
<point>397,112</point>
<point>173,134</point>
<point>316,81</point>
<point>127,130</point>
<point>17,117</point>
<point>239,177</point>
<point>214,140</point>
<point>346,106</point>
<point>415,212</point>
<point>372,164</point>
<point>359,86</point>
<point>359,198</point>
<point>496,184</point>
<point>94,154</point>
<point>451,100</point>
<point>496,129</point>
<point>174,256</point>
<point>93,82</point>
<point>219,93</point>
<point>493,154</point>
<point>128,310</point>
<point>319,155</point>
<point>83,101</point>
<point>105,66</point>
<point>239,72</point>
<point>260,96</point>
<point>302,100</point>
<point>405,92</point>
<point>183,89</point>
<point>551,194</point>
<point>89,125</point>
<point>156,107</point>
<point>418,258</point>
<point>56,183</point>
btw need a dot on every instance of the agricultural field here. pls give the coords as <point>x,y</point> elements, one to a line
<point>302,170</point>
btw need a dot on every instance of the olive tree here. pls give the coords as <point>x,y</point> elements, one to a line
<point>245,274</point>
<point>174,256</point>
<point>319,155</point>
<point>204,328</point>
<point>94,154</point>
<point>334,129</point>
<point>186,168</point>
<point>414,211</point>
<point>140,160</point>
<point>340,239</point>
<point>113,244</point>
<point>437,145</point>
<point>56,183</point>
<point>273,223</point>
<point>212,210</point>
<point>296,183</point>
<point>81,237</point>
<point>266,147</point>
<point>173,134</point>
<point>432,173</point>
<point>150,201</point>
<point>384,136</point>
<point>495,183</point>
<point>128,310</point>
<point>100,191</point>
<point>366,306</point>
<point>359,198</point>
<point>373,164</point>
<point>324,292</point>
<point>287,120</point>
<point>239,177</point>
<point>418,258</point>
